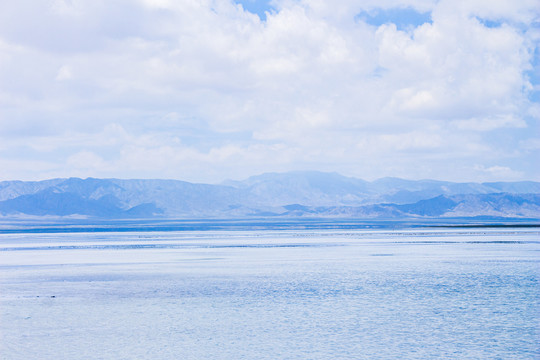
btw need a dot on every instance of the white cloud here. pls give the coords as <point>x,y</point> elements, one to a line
<point>64,73</point>
<point>530,144</point>
<point>85,160</point>
<point>487,124</point>
<point>161,85</point>
<point>498,172</point>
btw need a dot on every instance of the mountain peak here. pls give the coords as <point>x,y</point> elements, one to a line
<point>296,193</point>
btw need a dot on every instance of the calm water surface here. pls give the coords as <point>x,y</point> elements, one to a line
<point>313,294</point>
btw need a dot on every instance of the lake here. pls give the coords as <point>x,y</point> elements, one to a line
<point>420,293</point>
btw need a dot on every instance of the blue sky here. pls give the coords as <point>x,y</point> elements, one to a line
<point>258,7</point>
<point>213,89</point>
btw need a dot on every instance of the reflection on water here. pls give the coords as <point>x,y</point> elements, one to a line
<point>311,294</point>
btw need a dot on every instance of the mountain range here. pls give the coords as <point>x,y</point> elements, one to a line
<point>292,194</point>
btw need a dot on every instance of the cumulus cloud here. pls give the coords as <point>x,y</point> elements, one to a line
<point>64,73</point>
<point>205,90</point>
<point>486,124</point>
<point>497,171</point>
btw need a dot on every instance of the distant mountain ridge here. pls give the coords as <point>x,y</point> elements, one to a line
<point>292,194</point>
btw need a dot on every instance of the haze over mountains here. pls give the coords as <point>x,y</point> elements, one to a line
<point>293,194</point>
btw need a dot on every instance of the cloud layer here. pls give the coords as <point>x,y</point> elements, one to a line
<point>207,90</point>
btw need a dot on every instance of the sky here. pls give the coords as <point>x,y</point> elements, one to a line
<point>208,90</point>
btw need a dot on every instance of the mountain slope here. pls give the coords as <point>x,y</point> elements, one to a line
<point>305,187</point>
<point>472,205</point>
<point>291,194</point>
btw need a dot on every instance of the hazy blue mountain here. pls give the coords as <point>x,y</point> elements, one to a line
<point>320,189</point>
<point>12,189</point>
<point>178,197</point>
<point>472,205</point>
<point>49,202</point>
<point>114,197</point>
<point>436,206</point>
<point>407,191</point>
<point>294,194</point>
<point>523,187</point>
<point>304,187</point>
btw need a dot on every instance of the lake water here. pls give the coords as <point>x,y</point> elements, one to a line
<point>297,294</point>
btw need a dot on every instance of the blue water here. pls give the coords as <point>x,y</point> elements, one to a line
<point>299,294</point>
